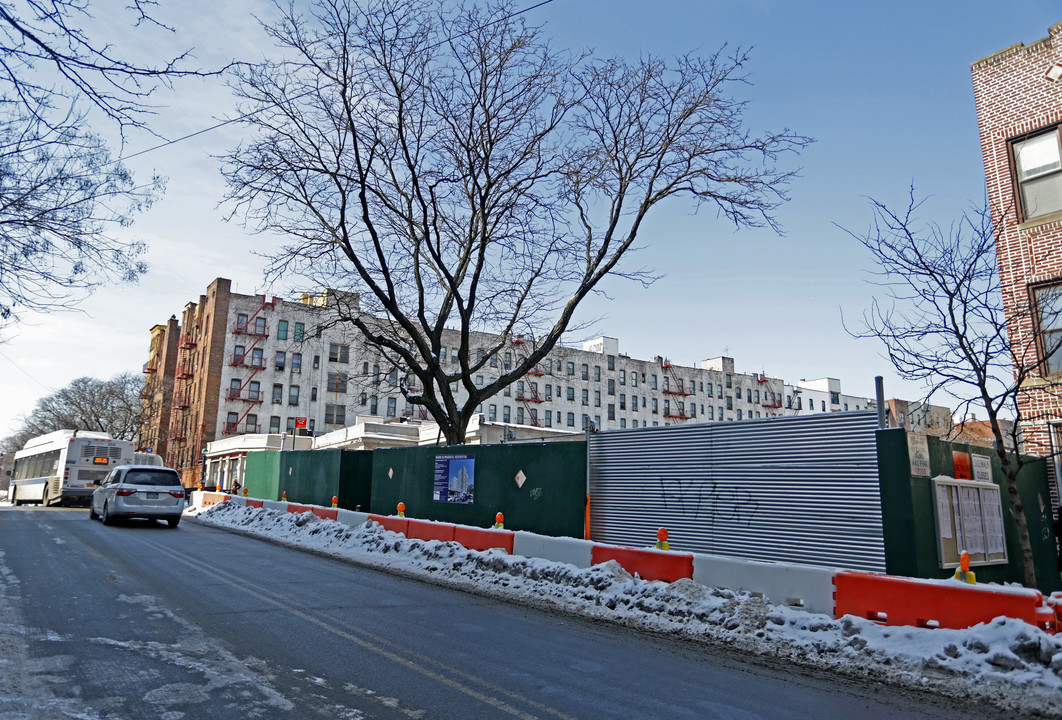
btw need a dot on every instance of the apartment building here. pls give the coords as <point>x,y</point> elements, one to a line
<point>1018,95</point>
<point>246,364</point>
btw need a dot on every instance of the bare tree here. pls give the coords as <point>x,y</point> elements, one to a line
<point>61,192</point>
<point>453,173</point>
<point>944,324</point>
<point>112,406</point>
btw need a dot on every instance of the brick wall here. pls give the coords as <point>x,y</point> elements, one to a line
<point>1015,98</point>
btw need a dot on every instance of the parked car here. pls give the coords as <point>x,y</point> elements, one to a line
<point>139,491</point>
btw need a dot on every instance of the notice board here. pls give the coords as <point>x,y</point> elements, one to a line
<point>969,517</point>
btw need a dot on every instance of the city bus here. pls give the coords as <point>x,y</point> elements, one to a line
<point>65,465</point>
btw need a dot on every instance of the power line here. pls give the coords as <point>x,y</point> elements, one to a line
<point>223,123</point>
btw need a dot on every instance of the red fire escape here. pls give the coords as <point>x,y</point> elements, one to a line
<point>674,387</point>
<point>775,400</point>
<point>529,397</point>
<point>255,327</point>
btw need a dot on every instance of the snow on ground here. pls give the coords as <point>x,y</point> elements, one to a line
<point>1007,663</point>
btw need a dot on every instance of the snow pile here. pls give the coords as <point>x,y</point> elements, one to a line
<point>1006,662</point>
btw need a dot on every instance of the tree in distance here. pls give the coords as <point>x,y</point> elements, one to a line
<point>944,324</point>
<point>464,185</point>
<point>61,192</point>
<point>112,406</point>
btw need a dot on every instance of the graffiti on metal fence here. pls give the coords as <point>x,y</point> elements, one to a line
<point>708,499</point>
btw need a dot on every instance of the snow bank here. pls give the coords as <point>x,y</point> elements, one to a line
<point>1007,663</point>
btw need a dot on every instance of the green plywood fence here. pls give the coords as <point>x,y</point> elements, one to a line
<point>312,477</point>
<point>551,500</point>
<point>261,475</point>
<point>909,513</point>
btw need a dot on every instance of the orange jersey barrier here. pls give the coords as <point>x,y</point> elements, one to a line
<point>394,524</point>
<point>892,600</point>
<point>251,502</point>
<point>648,564</point>
<point>481,539</point>
<point>424,530</point>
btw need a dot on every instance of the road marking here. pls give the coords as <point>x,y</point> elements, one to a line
<point>376,644</point>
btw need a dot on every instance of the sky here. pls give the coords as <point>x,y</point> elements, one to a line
<point>884,89</point>
<point>1004,663</point>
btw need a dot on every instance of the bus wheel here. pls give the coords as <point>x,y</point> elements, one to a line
<point>14,496</point>
<point>46,499</point>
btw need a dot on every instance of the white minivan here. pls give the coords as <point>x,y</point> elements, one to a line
<point>139,491</point>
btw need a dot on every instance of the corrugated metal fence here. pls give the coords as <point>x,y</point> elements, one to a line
<point>796,489</point>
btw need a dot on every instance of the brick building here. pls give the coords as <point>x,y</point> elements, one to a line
<point>1018,94</point>
<point>238,364</point>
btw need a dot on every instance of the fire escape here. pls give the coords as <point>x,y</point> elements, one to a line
<point>673,386</point>
<point>257,328</point>
<point>775,398</point>
<point>182,389</point>
<point>529,396</point>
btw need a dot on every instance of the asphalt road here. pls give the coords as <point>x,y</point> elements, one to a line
<point>142,621</point>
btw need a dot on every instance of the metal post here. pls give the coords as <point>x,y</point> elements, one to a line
<point>879,391</point>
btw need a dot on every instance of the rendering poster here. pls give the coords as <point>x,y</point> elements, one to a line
<point>455,478</point>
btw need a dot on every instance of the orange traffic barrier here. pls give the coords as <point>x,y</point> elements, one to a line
<point>251,502</point>
<point>296,508</point>
<point>483,538</point>
<point>425,530</point>
<point>647,564</point>
<point>394,524</point>
<point>325,513</point>
<point>892,600</point>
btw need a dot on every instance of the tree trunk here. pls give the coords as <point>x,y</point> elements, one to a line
<point>1018,510</point>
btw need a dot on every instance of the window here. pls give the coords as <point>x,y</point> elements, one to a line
<point>585,422</point>
<point>519,416</point>
<point>313,394</point>
<point>653,385</point>
<point>230,421</point>
<point>571,368</point>
<point>364,399</point>
<point>316,361</point>
<point>739,414</point>
<point>571,419</point>
<point>300,332</point>
<point>824,406</point>
<point>634,402</point>
<point>258,358</point>
<point>293,395</point>
<point>492,413</point>
<point>1038,166</point>
<point>296,362</point>
<point>442,354</point>
<point>667,407</point>
<point>549,418</point>
<point>730,403</point>
<point>278,393</point>
<point>251,424</point>
<point>338,353</point>
<point>748,395</point>
<point>597,398</point>
<point>337,382</point>
<point>1049,316</point>
<point>711,413</point>
<point>611,412</point>
<point>241,321</point>
<point>282,329</point>
<point>709,390</point>
<point>835,399</point>
<point>634,379</point>
<point>376,373</point>
<point>392,377</point>
<point>623,377</point>
<point>597,373</point>
<point>611,386</point>
<point>549,392</point>
<point>586,397</point>
<point>274,424</point>
<point>335,415</point>
<point>585,369</point>
<point>479,381</point>
<point>508,391</point>
<point>508,360</point>
<point>281,360</point>
<point>756,395</point>
<point>611,362</point>
<point>506,413</point>
<point>372,405</point>
<point>390,407</point>
<point>260,326</point>
<point>571,394</point>
<point>655,411</point>
<point>623,422</point>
